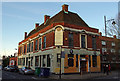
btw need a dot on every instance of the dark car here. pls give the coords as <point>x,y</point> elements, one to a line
<point>14,68</point>
<point>26,70</point>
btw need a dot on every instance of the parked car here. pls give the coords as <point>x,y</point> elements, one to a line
<point>7,68</point>
<point>14,68</point>
<point>26,70</point>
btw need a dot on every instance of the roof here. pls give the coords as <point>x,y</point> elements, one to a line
<point>70,18</point>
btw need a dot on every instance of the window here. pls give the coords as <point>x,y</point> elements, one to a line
<point>27,61</point>
<point>76,60</point>
<point>70,60</point>
<point>31,61</point>
<point>32,47</point>
<point>24,48</point>
<point>103,43</point>
<point>70,39</point>
<point>40,44</point>
<point>48,60</point>
<point>43,60</point>
<point>112,50</point>
<point>44,43</point>
<point>94,43</point>
<point>113,43</point>
<point>36,60</point>
<point>27,48</point>
<point>36,42</point>
<point>94,57</point>
<point>23,61</point>
<point>89,61</point>
<point>104,50</point>
<point>82,41</point>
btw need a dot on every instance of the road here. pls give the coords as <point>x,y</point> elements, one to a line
<point>19,77</point>
<point>16,75</point>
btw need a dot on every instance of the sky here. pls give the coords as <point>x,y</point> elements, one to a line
<point>20,17</point>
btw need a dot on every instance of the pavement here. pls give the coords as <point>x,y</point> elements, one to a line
<point>96,75</point>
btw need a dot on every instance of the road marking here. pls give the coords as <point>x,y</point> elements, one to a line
<point>34,78</point>
<point>115,77</point>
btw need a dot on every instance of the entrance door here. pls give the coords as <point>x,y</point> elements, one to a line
<point>83,66</point>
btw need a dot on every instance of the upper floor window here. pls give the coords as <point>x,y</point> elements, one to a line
<point>93,42</point>
<point>82,41</point>
<point>113,43</point>
<point>104,50</point>
<point>44,43</point>
<point>70,40</point>
<point>103,43</point>
<point>36,43</point>
<point>27,48</point>
<point>32,47</point>
<point>40,44</point>
<point>24,48</point>
<point>112,50</point>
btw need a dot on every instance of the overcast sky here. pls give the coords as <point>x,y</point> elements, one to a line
<point>21,17</point>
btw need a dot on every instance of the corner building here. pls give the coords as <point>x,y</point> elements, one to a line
<point>65,32</point>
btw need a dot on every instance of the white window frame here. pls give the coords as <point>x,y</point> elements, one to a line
<point>113,43</point>
<point>104,50</point>
<point>103,42</point>
<point>113,50</point>
<point>85,40</point>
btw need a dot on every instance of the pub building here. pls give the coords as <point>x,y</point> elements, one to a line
<point>64,36</point>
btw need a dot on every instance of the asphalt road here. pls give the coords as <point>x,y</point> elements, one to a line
<point>16,75</point>
<point>6,75</point>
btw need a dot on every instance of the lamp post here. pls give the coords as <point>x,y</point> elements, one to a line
<point>106,24</point>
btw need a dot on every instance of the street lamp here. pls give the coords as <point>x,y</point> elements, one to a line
<point>108,21</point>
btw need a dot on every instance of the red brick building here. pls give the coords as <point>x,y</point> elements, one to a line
<point>110,51</point>
<point>13,61</point>
<point>66,32</point>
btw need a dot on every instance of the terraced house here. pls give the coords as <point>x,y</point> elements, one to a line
<point>64,34</point>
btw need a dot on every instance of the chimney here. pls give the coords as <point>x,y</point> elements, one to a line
<point>65,8</point>
<point>25,35</point>
<point>114,36</point>
<point>100,33</point>
<point>36,25</point>
<point>46,17</point>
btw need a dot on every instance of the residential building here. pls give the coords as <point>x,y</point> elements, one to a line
<point>110,51</point>
<point>65,33</point>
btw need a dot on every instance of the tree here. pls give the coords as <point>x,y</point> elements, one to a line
<point>113,27</point>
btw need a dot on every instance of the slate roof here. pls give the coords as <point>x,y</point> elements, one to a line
<point>70,18</point>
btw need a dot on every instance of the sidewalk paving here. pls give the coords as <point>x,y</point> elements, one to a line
<point>78,76</point>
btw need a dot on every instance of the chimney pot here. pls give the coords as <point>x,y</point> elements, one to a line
<point>100,33</point>
<point>46,17</point>
<point>65,7</point>
<point>36,25</point>
<point>114,36</point>
<point>25,35</point>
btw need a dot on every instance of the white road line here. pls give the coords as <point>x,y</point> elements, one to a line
<point>34,78</point>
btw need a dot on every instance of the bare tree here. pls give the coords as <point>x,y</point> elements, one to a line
<point>113,27</point>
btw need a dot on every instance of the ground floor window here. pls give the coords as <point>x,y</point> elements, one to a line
<point>89,60</point>
<point>36,60</point>
<point>31,61</point>
<point>43,60</point>
<point>27,61</point>
<point>70,60</point>
<point>76,60</point>
<point>23,61</point>
<point>94,58</point>
<point>48,60</point>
